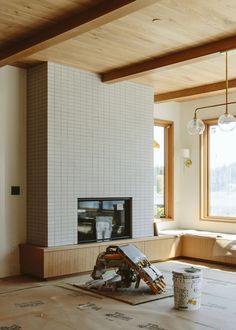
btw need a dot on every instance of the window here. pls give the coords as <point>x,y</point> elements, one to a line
<point>163,169</point>
<point>218,174</point>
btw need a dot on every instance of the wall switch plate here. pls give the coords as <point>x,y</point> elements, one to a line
<point>15,190</point>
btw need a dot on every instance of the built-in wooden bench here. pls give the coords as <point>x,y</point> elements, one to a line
<point>209,246</point>
<point>71,259</point>
<point>64,260</point>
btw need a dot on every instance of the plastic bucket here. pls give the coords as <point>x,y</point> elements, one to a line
<point>187,288</point>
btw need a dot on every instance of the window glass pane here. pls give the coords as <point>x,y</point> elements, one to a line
<point>222,173</point>
<point>159,169</point>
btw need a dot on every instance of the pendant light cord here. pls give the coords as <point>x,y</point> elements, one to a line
<point>226,83</point>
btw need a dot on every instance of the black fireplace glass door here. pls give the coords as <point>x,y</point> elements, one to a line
<point>104,219</point>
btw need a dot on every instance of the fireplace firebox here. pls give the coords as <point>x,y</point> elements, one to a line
<point>104,219</point>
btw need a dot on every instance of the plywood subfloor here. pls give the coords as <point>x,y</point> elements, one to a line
<point>54,305</point>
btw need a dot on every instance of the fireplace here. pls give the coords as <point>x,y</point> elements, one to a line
<point>104,219</point>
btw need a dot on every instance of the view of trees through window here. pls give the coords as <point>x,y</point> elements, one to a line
<point>221,172</point>
<point>159,169</point>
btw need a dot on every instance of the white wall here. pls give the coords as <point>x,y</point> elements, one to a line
<point>171,111</point>
<point>187,210</point>
<point>12,167</point>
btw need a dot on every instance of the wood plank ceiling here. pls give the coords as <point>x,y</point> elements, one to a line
<point>172,45</point>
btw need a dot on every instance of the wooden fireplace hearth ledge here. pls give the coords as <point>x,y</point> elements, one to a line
<point>48,262</point>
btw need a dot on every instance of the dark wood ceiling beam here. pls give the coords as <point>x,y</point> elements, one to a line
<point>70,27</point>
<point>193,91</point>
<point>173,59</point>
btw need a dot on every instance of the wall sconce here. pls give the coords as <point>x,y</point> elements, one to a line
<point>156,145</point>
<point>186,156</point>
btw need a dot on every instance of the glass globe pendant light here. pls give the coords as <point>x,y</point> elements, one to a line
<point>226,122</point>
<point>195,126</point>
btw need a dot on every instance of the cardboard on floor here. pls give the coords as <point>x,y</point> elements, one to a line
<point>56,305</point>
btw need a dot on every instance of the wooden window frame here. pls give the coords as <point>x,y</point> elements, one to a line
<point>168,167</point>
<point>204,177</point>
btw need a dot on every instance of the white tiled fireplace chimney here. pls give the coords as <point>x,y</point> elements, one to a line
<point>85,139</point>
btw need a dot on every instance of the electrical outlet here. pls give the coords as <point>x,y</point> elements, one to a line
<point>15,190</point>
